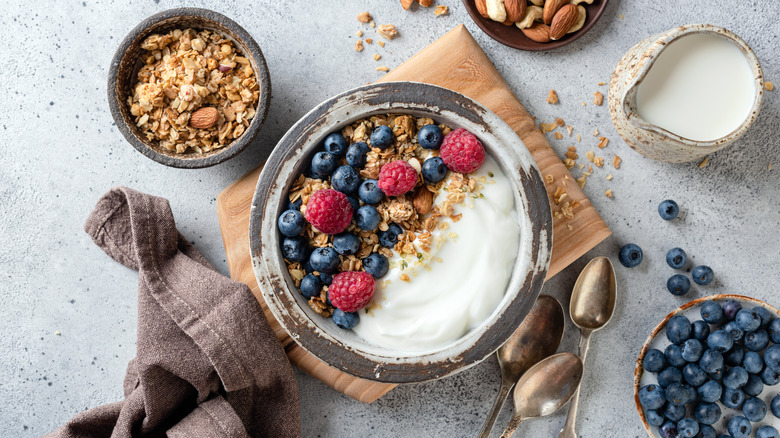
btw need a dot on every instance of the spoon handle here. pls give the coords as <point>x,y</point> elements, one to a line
<point>570,428</point>
<point>496,409</point>
<point>511,427</point>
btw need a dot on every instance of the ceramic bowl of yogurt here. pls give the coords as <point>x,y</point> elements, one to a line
<point>480,280</point>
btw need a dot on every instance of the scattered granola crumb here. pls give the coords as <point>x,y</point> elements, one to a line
<point>598,161</point>
<point>769,166</point>
<point>359,33</point>
<point>382,68</point>
<point>559,121</point>
<point>377,56</point>
<point>369,41</point>
<point>381,43</point>
<point>558,135</point>
<point>590,156</point>
<point>404,277</point>
<point>359,46</point>
<point>704,162</point>
<point>372,24</point>
<point>581,181</point>
<point>569,129</point>
<point>572,153</point>
<point>364,17</point>
<point>579,139</point>
<point>584,104</point>
<point>58,333</point>
<point>608,193</point>
<point>569,163</point>
<point>616,162</point>
<point>582,166</point>
<point>595,132</point>
<point>552,98</point>
<point>441,10</point>
<point>569,227</point>
<point>769,85</point>
<point>549,178</point>
<point>602,83</point>
<point>603,142</point>
<point>621,16</point>
<point>547,127</point>
<point>609,177</point>
<point>388,31</point>
<point>598,98</point>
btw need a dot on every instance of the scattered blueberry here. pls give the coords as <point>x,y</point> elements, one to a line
<point>430,137</point>
<point>754,386</point>
<point>345,320</point>
<point>720,340</point>
<point>687,428</point>
<point>710,391</point>
<point>653,417</point>
<point>324,259</point>
<point>752,362</point>
<point>370,193</point>
<point>630,255</point>
<point>732,398</point>
<point>376,264</point>
<point>674,413</point>
<point>767,432</point>
<point>739,427</point>
<point>434,170</point>
<point>734,356</point>
<point>291,223</point>
<point>670,375</point>
<point>702,275</point>
<point>323,164</point>
<point>346,243</point>
<point>707,413</point>
<point>772,357</point>
<point>294,249</point>
<point>335,144</point>
<point>774,330</point>
<point>382,137</point>
<point>733,329</point>
<point>356,154</point>
<point>674,355</point>
<point>735,378</point>
<point>711,361</point>
<point>678,329</point>
<point>676,258</point>
<point>345,179</point>
<point>389,238</point>
<point>691,350</point>
<point>757,340</point>
<point>668,209</point>
<point>711,312</point>
<point>730,309</point>
<point>700,330</point>
<point>774,406</point>
<point>311,285</point>
<point>367,218</point>
<point>694,375</point>
<point>754,409</point>
<point>678,284</point>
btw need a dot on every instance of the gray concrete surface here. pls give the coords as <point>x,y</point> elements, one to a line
<point>60,151</point>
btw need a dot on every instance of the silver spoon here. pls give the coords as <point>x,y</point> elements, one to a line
<point>592,305</point>
<point>537,337</point>
<point>544,388</point>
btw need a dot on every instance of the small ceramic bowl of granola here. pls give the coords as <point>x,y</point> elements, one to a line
<point>189,88</point>
<point>438,256</point>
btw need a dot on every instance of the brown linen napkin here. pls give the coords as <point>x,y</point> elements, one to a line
<point>207,364</point>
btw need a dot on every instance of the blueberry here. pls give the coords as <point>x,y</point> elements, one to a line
<point>676,258</point>
<point>674,413</point>
<point>669,375</point>
<point>324,259</point>
<point>311,285</point>
<point>691,350</point>
<point>710,391</point>
<point>370,193</point>
<point>674,355</point>
<point>678,329</point>
<point>652,396</point>
<point>654,361</point>
<point>730,309</point>
<point>346,243</point>
<point>295,205</point>
<point>711,312</point>
<point>707,413</point>
<point>356,154</point>
<point>765,314</point>
<point>752,362</point>
<point>353,203</point>
<point>757,340</point>
<point>668,210</point>
<point>735,378</point>
<point>326,279</point>
<point>382,137</point>
<point>754,409</point>
<point>732,398</point>
<point>748,320</point>
<point>772,357</point>
<point>654,418</point>
<point>720,340</point>
<point>630,255</point>
<point>754,386</point>
<point>294,249</point>
<point>678,284</point>
<point>717,375</point>
<point>434,170</point>
<point>367,218</point>
<point>335,144</point>
<point>291,223</point>
<point>694,375</point>
<point>376,264</point>
<point>711,361</point>
<point>323,164</point>
<point>687,428</point>
<point>430,137</point>
<point>767,432</point>
<point>345,320</point>
<point>733,329</point>
<point>769,376</point>
<point>739,427</point>
<point>389,238</point>
<point>668,429</point>
<point>774,330</point>
<point>774,406</point>
<point>346,180</point>
<point>702,275</point>
<point>679,394</point>
<point>707,431</point>
<point>734,356</point>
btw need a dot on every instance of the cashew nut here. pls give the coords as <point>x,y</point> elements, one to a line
<point>581,15</point>
<point>539,2</point>
<point>576,2</point>
<point>533,13</point>
<point>496,10</point>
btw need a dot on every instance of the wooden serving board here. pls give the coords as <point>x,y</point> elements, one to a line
<point>454,61</point>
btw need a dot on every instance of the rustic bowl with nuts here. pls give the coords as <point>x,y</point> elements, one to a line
<point>535,25</point>
<point>189,88</point>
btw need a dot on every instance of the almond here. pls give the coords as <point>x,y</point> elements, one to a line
<point>538,32</point>
<point>406,3</point>
<point>482,7</point>
<point>515,9</point>
<point>550,8</point>
<point>428,3</point>
<point>423,200</point>
<point>204,118</point>
<point>564,19</point>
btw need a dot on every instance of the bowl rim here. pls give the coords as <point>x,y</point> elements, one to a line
<point>522,42</point>
<point>392,366</point>
<point>639,370</point>
<point>261,73</point>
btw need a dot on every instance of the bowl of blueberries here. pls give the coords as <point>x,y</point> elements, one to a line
<point>711,369</point>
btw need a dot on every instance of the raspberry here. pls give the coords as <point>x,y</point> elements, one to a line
<point>397,178</point>
<point>329,211</point>
<point>350,291</point>
<point>462,151</point>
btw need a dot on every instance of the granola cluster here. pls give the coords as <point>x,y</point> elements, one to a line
<point>185,70</point>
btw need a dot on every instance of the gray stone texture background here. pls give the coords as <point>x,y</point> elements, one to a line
<point>61,151</point>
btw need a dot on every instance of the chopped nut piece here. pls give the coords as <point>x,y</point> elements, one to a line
<point>359,33</point>
<point>364,17</point>
<point>595,132</point>
<point>769,86</point>
<point>388,31</point>
<point>603,142</point>
<point>598,98</point>
<point>425,3</point>
<point>377,56</point>
<point>569,129</point>
<point>441,10</point>
<point>552,97</point>
<point>381,43</point>
<point>558,135</point>
<point>609,177</point>
<point>581,181</point>
<point>569,163</point>
<point>598,161</point>
<point>406,4</point>
<point>547,127</point>
<point>382,68</point>
<point>559,121</point>
<point>372,24</point>
<point>572,153</point>
<point>359,46</point>
<point>602,83</point>
<point>616,162</point>
<point>404,277</point>
<point>608,193</point>
<point>369,41</point>
<point>704,162</point>
<point>590,155</point>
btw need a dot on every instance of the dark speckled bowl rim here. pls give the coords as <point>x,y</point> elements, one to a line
<point>279,292</point>
<point>261,73</point>
<point>515,38</point>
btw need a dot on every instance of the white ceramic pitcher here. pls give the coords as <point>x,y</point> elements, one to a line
<point>653,141</point>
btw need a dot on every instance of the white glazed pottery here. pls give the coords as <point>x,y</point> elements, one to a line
<point>653,141</point>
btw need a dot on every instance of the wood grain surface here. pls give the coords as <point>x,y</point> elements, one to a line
<point>454,61</point>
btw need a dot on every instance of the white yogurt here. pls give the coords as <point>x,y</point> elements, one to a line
<point>701,88</point>
<point>459,283</point>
